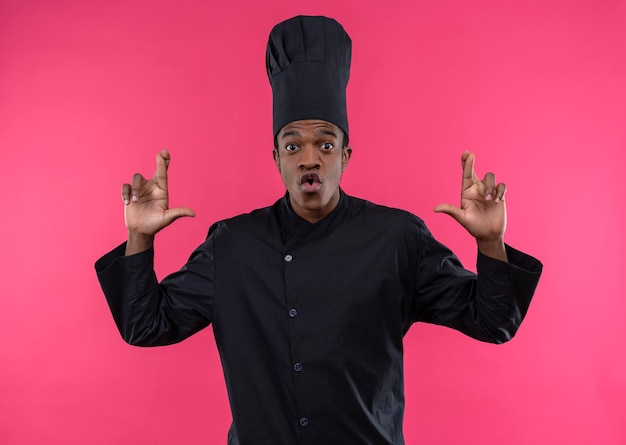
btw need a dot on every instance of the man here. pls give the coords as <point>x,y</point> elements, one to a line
<point>310,298</point>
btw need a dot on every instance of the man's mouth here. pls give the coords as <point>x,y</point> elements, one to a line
<point>310,182</point>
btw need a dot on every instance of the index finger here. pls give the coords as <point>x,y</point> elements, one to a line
<point>162,161</point>
<point>469,176</point>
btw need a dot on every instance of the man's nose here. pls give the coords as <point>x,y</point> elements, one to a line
<point>309,158</point>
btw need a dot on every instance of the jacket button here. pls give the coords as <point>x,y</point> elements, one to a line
<point>304,421</point>
<point>288,258</point>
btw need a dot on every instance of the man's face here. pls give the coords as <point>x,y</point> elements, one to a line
<point>311,159</point>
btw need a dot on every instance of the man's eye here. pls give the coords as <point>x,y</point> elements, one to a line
<point>291,147</point>
<point>327,146</point>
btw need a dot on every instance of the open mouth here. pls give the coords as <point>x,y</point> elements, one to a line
<point>310,182</point>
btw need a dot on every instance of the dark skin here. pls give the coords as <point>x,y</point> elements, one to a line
<point>311,159</point>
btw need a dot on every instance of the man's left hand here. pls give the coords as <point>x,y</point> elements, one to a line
<point>483,211</point>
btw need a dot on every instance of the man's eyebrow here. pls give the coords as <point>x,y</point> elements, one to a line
<point>291,133</point>
<point>324,131</point>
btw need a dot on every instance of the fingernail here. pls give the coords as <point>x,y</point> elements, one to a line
<point>125,200</point>
<point>488,197</point>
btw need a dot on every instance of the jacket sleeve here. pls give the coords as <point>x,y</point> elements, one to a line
<point>488,306</point>
<point>149,313</point>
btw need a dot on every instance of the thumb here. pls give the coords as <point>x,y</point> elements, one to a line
<point>451,210</point>
<point>172,215</point>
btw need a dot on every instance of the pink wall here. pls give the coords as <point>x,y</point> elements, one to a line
<point>90,92</point>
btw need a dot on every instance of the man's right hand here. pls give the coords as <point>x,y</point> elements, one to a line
<point>146,208</point>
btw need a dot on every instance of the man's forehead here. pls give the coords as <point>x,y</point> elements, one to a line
<point>318,126</point>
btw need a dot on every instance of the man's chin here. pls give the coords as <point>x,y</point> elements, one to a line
<point>309,200</point>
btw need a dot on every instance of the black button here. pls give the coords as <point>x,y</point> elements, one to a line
<point>293,313</point>
<point>304,421</point>
<point>297,367</point>
<point>288,258</point>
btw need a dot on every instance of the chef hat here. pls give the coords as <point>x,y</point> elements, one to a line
<point>308,65</point>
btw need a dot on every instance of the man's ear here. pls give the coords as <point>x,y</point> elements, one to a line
<point>345,157</point>
<point>276,158</point>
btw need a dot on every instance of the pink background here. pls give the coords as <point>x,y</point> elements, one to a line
<point>90,91</point>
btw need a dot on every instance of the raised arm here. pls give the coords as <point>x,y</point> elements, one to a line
<point>491,305</point>
<point>146,312</point>
<point>483,211</point>
<point>146,206</point>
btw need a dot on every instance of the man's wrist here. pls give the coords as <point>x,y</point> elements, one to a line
<point>493,248</point>
<point>138,242</point>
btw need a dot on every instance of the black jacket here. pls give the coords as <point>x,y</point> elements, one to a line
<point>309,318</point>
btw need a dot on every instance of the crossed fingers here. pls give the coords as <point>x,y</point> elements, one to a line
<point>488,187</point>
<point>131,192</point>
